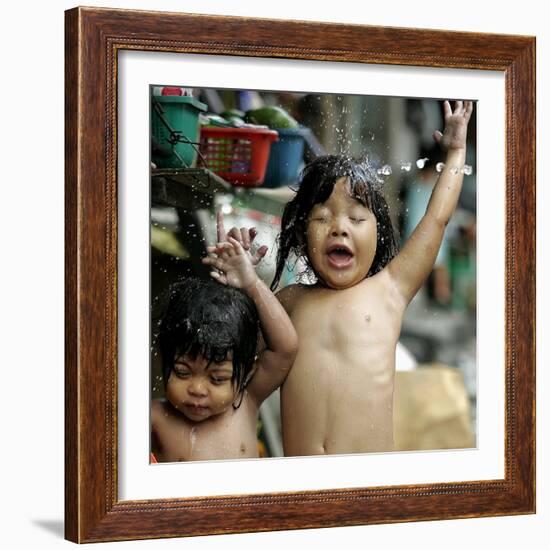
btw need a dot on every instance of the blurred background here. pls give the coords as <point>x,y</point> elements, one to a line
<point>241,151</point>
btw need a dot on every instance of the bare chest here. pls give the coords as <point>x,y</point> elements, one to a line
<point>347,321</point>
<point>340,389</point>
<point>232,435</point>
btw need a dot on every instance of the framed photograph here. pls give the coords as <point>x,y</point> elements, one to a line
<point>163,112</point>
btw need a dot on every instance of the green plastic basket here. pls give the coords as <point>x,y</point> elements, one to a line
<point>175,128</point>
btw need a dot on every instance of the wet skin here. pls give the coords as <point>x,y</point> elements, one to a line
<point>201,418</point>
<point>197,421</point>
<point>341,238</point>
<point>338,396</point>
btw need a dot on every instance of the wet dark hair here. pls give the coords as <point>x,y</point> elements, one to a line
<point>316,185</point>
<point>212,320</point>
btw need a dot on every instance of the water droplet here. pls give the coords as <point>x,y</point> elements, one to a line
<point>405,166</point>
<point>439,167</point>
<point>385,170</point>
<point>192,436</point>
<point>467,170</point>
<point>420,163</point>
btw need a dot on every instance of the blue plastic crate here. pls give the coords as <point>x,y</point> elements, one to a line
<point>285,157</point>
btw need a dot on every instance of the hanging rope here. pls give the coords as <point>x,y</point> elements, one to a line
<point>176,136</point>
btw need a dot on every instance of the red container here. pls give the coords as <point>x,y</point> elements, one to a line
<point>238,155</point>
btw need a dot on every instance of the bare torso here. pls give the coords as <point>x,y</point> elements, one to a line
<point>231,434</point>
<point>338,396</point>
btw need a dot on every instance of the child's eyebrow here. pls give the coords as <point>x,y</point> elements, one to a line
<point>319,206</point>
<point>360,205</point>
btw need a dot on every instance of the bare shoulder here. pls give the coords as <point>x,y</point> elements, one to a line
<point>159,412</point>
<point>289,296</point>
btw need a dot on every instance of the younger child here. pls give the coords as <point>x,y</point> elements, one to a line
<point>215,377</point>
<point>338,396</point>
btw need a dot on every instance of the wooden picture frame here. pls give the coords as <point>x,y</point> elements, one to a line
<point>93,511</point>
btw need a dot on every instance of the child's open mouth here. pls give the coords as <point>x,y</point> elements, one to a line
<point>339,256</point>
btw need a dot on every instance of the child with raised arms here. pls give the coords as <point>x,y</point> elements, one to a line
<point>338,396</point>
<point>215,374</point>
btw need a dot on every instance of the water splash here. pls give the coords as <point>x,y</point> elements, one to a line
<point>385,170</point>
<point>192,437</point>
<point>420,163</point>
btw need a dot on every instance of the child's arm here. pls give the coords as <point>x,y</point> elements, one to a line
<point>281,342</point>
<point>156,417</point>
<point>410,268</point>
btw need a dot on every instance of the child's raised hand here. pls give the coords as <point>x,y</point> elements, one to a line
<point>233,265</point>
<point>244,236</point>
<point>456,125</point>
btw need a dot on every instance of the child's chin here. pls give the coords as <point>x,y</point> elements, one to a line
<point>200,417</point>
<point>195,417</point>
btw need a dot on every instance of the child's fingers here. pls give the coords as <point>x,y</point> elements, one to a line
<point>245,238</point>
<point>218,262</point>
<point>437,135</point>
<point>260,253</point>
<point>458,108</point>
<point>211,255</point>
<point>217,251</point>
<point>447,109</point>
<point>228,248</point>
<point>220,229</point>
<point>469,109</point>
<point>236,245</point>
<point>235,233</point>
<point>224,250</point>
<point>219,277</point>
<point>214,262</point>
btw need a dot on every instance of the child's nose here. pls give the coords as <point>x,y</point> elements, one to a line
<point>339,228</point>
<point>197,387</point>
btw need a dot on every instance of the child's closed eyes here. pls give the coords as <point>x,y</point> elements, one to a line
<point>326,217</point>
